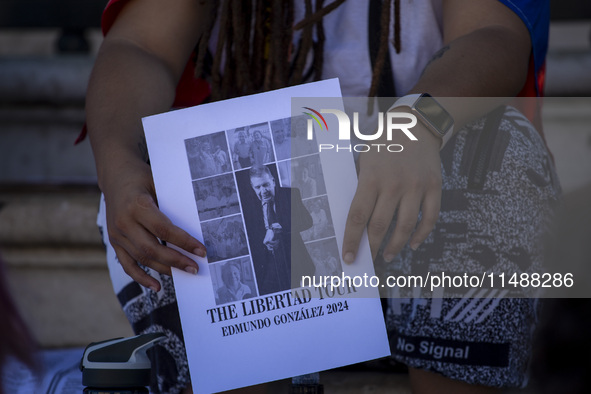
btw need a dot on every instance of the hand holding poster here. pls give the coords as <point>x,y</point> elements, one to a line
<point>242,176</point>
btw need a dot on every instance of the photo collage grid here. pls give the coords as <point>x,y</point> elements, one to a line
<point>217,160</point>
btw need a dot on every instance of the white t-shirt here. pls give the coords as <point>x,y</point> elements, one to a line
<point>346,50</point>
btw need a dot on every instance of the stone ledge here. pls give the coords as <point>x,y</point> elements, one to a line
<point>41,152</point>
<point>52,79</point>
<point>55,220</point>
<point>74,258</point>
<point>40,115</point>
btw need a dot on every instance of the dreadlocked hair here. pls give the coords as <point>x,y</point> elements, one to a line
<point>256,51</point>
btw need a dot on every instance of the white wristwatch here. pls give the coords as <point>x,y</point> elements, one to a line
<point>430,113</point>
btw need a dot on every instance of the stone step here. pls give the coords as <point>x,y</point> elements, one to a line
<point>37,145</point>
<point>56,219</point>
<point>56,265</point>
<point>48,79</point>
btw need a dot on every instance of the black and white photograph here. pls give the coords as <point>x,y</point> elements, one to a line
<point>274,222</point>
<point>240,143</point>
<point>281,130</point>
<point>306,175</point>
<point>208,155</point>
<point>300,144</point>
<point>251,145</point>
<point>261,147</point>
<point>325,255</point>
<point>284,168</point>
<point>322,226</point>
<point>233,280</point>
<point>216,197</point>
<point>224,238</point>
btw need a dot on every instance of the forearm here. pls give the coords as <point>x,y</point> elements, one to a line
<point>485,64</point>
<point>129,85</point>
<point>488,62</point>
<point>135,75</point>
<point>484,59</point>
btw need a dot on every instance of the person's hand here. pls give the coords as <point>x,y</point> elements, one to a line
<point>404,184</point>
<point>135,224</point>
<point>272,237</point>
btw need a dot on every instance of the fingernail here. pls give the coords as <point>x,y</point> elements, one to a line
<point>349,258</point>
<point>388,257</point>
<point>415,245</point>
<point>190,269</point>
<point>153,288</point>
<point>199,252</point>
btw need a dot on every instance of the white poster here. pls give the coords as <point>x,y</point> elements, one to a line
<point>216,167</point>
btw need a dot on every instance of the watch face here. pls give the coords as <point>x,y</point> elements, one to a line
<point>434,113</point>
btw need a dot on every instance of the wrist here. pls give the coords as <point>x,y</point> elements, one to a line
<point>119,167</point>
<point>429,113</point>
